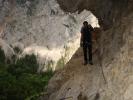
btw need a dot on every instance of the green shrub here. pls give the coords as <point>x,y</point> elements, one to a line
<point>25,86</point>
<point>27,64</point>
<point>20,80</point>
<point>17,50</point>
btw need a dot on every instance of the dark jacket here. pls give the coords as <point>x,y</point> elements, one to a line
<point>86,34</point>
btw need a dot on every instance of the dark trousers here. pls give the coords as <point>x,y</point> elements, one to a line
<point>87,50</point>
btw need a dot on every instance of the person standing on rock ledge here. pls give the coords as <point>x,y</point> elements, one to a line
<point>86,42</point>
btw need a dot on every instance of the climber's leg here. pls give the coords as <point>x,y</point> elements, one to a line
<point>90,54</point>
<point>85,54</point>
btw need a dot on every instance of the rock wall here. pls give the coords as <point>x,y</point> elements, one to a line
<point>110,78</point>
<point>43,28</point>
<point>107,11</point>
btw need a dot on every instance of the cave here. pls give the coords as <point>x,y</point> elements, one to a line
<point>109,77</point>
<point>51,30</point>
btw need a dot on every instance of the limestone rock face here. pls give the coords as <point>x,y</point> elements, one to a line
<point>9,52</point>
<point>43,28</point>
<point>111,76</point>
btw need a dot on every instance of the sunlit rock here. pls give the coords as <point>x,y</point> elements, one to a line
<point>43,28</point>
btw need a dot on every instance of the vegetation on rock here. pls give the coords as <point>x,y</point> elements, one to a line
<point>20,80</point>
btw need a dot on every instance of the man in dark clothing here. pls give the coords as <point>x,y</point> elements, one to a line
<point>86,42</point>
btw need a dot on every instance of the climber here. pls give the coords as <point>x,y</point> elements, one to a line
<point>86,42</point>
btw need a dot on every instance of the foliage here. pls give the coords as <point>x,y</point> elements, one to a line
<point>17,50</point>
<point>28,64</point>
<point>20,80</point>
